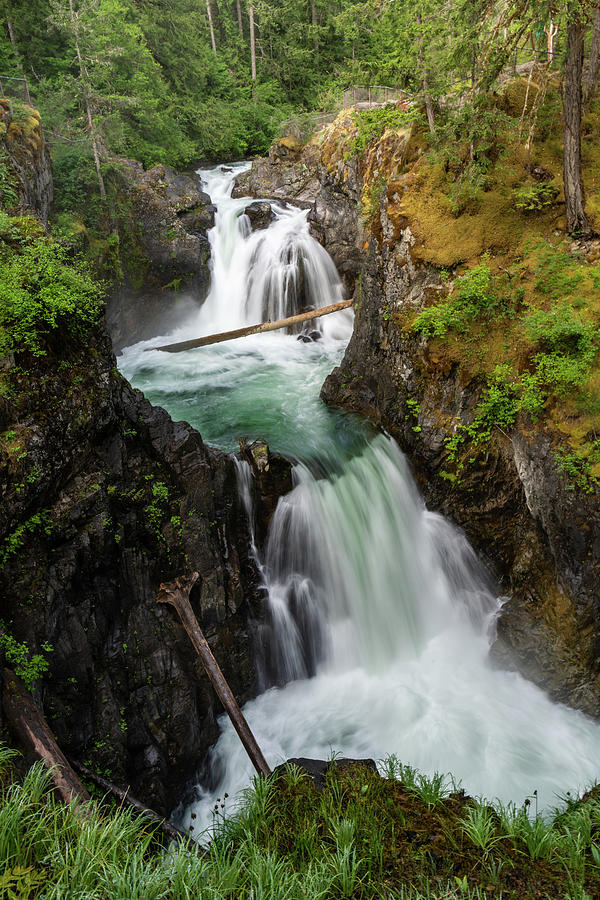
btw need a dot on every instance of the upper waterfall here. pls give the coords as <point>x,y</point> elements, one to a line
<point>267,274</point>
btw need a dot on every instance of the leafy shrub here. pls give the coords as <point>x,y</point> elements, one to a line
<point>534,197</point>
<point>27,666</point>
<point>568,347</point>
<point>474,295</point>
<point>372,123</point>
<point>44,295</point>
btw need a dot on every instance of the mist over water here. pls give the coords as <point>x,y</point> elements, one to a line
<point>380,617</point>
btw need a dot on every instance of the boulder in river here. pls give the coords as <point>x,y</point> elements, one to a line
<point>260,214</point>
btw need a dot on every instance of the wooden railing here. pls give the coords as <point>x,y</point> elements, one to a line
<point>367,96</point>
<point>15,87</point>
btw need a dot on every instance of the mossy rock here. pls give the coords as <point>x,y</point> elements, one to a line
<point>290,143</point>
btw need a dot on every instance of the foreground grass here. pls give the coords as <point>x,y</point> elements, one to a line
<point>362,836</point>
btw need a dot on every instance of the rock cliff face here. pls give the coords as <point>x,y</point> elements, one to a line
<point>102,498</point>
<point>164,249</point>
<point>541,539</point>
<point>26,177</point>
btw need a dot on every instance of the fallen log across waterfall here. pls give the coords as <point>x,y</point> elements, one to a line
<point>30,727</point>
<point>253,329</point>
<point>177,594</point>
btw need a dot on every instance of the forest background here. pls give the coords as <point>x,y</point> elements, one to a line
<point>206,80</point>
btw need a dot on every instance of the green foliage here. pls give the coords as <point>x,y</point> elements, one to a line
<point>156,510</point>
<point>475,295</point>
<point>27,665</point>
<point>22,882</point>
<point>480,826</point>
<point>568,346</point>
<point>46,298</point>
<point>578,468</point>
<point>361,836</point>
<point>535,197</point>
<point>372,123</point>
<point>13,543</point>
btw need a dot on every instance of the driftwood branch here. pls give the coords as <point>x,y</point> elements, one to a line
<point>33,732</point>
<point>253,329</point>
<point>168,829</point>
<point>177,593</point>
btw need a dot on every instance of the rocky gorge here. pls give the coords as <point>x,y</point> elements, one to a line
<point>537,531</point>
<point>104,497</point>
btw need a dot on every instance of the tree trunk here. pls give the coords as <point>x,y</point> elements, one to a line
<point>19,61</point>
<point>29,725</point>
<point>239,18</point>
<point>88,106</point>
<point>211,29</point>
<point>426,94</point>
<point>254,329</point>
<point>252,45</point>
<point>313,8</point>
<point>594,63</point>
<point>577,222</point>
<point>177,594</point>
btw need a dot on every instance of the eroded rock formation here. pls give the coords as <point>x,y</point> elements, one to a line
<point>164,249</point>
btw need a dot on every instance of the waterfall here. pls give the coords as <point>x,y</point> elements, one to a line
<point>359,572</point>
<point>267,274</point>
<point>380,617</point>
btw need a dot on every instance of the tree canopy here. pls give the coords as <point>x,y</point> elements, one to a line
<point>173,81</point>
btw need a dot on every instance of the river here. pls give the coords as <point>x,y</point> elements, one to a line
<point>380,616</point>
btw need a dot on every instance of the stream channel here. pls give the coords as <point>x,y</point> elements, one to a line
<point>380,615</point>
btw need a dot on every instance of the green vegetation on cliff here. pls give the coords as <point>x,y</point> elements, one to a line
<point>361,836</point>
<point>47,297</point>
<point>518,305</point>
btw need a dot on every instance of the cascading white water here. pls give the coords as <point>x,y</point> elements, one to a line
<point>359,572</point>
<point>267,274</point>
<point>380,615</point>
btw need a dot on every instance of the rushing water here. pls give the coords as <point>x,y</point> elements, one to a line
<point>380,616</point>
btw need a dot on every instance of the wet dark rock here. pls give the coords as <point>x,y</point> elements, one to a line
<point>272,478</point>
<point>260,214</point>
<point>164,249</point>
<point>200,219</point>
<point>103,497</point>
<point>307,337</point>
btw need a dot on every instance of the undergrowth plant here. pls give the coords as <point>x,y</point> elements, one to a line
<point>368,837</point>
